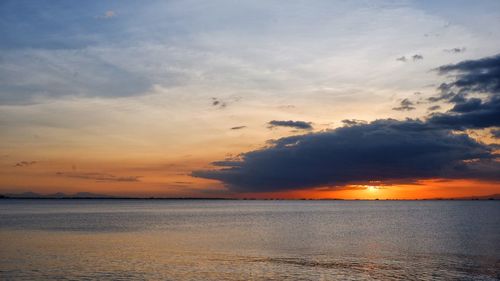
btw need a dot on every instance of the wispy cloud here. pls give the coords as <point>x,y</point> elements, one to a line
<point>353,122</point>
<point>301,125</point>
<point>455,50</point>
<point>100,177</point>
<point>417,57</point>
<point>402,58</point>
<point>434,108</point>
<point>238,127</point>
<point>216,102</point>
<point>405,105</point>
<point>25,163</point>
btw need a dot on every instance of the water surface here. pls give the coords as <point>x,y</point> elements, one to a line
<point>249,240</point>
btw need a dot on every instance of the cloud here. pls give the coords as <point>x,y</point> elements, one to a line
<point>216,102</point>
<point>301,125</point>
<point>455,50</point>
<point>434,108</point>
<point>31,76</point>
<point>469,115</point>
<point>473,77</point>
<point>482,76</point>
<point>226,163</point>
<point>495,133</point>
<point>383,150</point>
<point>25,163</point>
<point>469,105</point>
<point>417,57</point>
<point>353,122</point>
<point>100,177</point>
<point>223,103</point>
<point>184,182</point>
<point>443,96</point>
<point>174,44</point>
<point>402,58</point>
<point>405,104</point>
<point>238,127</point>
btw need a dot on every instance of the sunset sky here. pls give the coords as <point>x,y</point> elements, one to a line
<point>266,99</point>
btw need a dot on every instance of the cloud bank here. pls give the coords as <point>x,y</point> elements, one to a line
<point>383,150</point>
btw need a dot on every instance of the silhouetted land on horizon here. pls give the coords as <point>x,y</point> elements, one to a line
<point>87,195</point>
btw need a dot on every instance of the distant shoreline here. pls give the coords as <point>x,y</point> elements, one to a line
<point>239,199</point>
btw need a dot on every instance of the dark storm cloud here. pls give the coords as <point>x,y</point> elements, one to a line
<point>100,177</point>
<point>383,150</point>
<point>301,125</point>
<point>479,77</point>
<point>405,105</point>
<point>238,127</point>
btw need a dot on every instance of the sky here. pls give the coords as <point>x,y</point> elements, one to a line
<point>261,99</point>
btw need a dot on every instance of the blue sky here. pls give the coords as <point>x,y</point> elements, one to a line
<point>183,42</point>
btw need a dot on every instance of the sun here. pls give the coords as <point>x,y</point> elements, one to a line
<point>371,188</point>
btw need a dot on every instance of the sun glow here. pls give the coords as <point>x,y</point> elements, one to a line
<point>370,188</point>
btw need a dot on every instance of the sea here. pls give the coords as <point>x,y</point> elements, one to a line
<point>101,239</point>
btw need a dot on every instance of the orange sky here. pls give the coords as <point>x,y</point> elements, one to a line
<point>109,172</point>
<point>173,180</point>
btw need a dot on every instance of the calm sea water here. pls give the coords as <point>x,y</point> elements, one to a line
<point>249,240</point>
